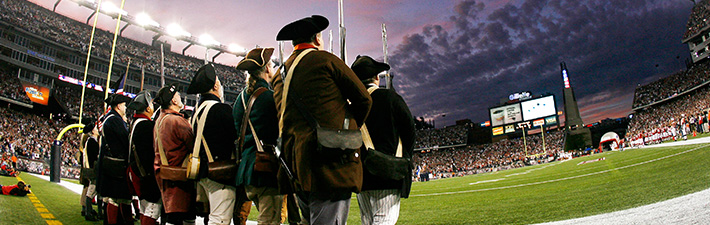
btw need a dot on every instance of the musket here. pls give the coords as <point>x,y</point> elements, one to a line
<point>342,31</point>
<point>279,141</point>
<point>388,78</point>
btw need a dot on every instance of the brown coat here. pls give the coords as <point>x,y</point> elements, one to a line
<point>324,83</point>
<point>178,139</point>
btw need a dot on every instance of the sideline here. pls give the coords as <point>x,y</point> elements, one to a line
<point>565,178</point>
<point>43,211</point>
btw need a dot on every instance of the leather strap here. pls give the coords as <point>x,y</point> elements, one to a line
<point>200,139</point>
<point>366,134</point>
<point>163,158</point>
<point>287,82</point>
<point>247,111</point>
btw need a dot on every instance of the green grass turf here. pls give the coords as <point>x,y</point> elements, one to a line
<point>560,190</point>
<point>61,202</point>
<point>548,192</point>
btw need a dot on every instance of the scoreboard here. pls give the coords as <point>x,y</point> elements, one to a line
<point>531,113</point>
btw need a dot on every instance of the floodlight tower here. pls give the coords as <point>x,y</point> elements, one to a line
<point>578,136</point>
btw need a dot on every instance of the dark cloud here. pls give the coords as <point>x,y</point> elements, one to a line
<point>462,67</point>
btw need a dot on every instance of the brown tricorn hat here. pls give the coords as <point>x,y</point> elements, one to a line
<point>256,58</point>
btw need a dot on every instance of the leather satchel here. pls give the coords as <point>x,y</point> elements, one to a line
<point>219,170</point>
<point>328,138</point>
<point>114,167</point>
<point>167,172</point>
<point>265,160</point>
<point>383,165</point>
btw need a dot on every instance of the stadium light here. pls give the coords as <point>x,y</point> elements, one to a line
<point>207,40</point>
<point>144,19</point>
<point>235,48</point>
<point>110,8</point>
<point>177,31</point>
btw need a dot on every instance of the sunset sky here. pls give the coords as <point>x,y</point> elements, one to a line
<point>458,58</point>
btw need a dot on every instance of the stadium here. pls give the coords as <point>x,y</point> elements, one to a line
<point>522,165</point>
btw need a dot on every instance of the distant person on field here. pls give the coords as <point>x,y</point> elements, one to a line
<point>20,189</point>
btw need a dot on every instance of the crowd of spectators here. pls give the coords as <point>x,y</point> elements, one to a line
<point>505,154</point>
<point>672,85</point>
<point>43,22</point>
<point>689,107</point>
<point>70,96</point>
<point>11,87</point>
<point>30,136</point>
<point>452,135</point>
<point>698,18</point>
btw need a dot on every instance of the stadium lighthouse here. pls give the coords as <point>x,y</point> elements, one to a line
<point>578,136</point>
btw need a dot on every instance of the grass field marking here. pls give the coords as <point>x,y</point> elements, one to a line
<point>43,211</point>
<point>486,181</point>
<point>561,179</point>
<point>534,169</point>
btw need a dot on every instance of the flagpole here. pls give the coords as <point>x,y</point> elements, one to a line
<point>113,50</point>
<point>86,68</point>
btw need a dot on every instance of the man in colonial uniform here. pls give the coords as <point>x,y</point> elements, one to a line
<point>142,156</point>
<point>173,136</point>
<point>114,153</point>
<point>391,128</point>
<point>219,136</point>
<point>324,85</point>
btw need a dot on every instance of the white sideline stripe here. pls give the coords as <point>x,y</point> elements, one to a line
<point>561,179</point>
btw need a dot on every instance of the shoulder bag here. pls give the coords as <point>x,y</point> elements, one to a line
<point>167,172</point>
<point>219,170</point>
<point>380,164</point>
<point>266,160</point>
<point>328,138</point>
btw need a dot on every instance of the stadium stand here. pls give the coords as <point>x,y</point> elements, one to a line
<point>453,135</point>
<point>11,87</point>
<point>672,85</point>
<point>66,31</point>
<point>698,18</point>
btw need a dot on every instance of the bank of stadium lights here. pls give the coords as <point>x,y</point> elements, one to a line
<point>109,8</point>
<point>208,41</point>
<point>176,31</point>
<point>144,20</point>
<point>234,48</point>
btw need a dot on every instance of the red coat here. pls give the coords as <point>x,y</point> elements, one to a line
<point>13,190</point>
<point>178,139</point>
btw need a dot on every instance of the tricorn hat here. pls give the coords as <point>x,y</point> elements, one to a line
<point>115,99</point>
<point>89,124</point>
<point>141,101</point>
<point>365,67</point>
<point>203,80</point>
<point>256,58</point>
<point>302,28</point>
<point>165,95</point>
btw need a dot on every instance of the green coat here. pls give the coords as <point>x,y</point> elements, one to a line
<point>263,117</point>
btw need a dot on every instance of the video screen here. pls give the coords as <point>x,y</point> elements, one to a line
<point>538,108</point>
<point>505,115</point>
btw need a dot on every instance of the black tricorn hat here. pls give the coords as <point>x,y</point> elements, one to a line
<point>115,99</point>
<point>303,28</point>
<point>365,67</point>
<point>203,80</point>
<point>165,95</point>
<point>89,124</point>
<point>256,58</point>
<point>141,101</point>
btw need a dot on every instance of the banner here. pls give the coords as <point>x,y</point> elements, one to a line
<point>37,94</point>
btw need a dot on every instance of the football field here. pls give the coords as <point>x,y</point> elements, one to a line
<point>607,182</point>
